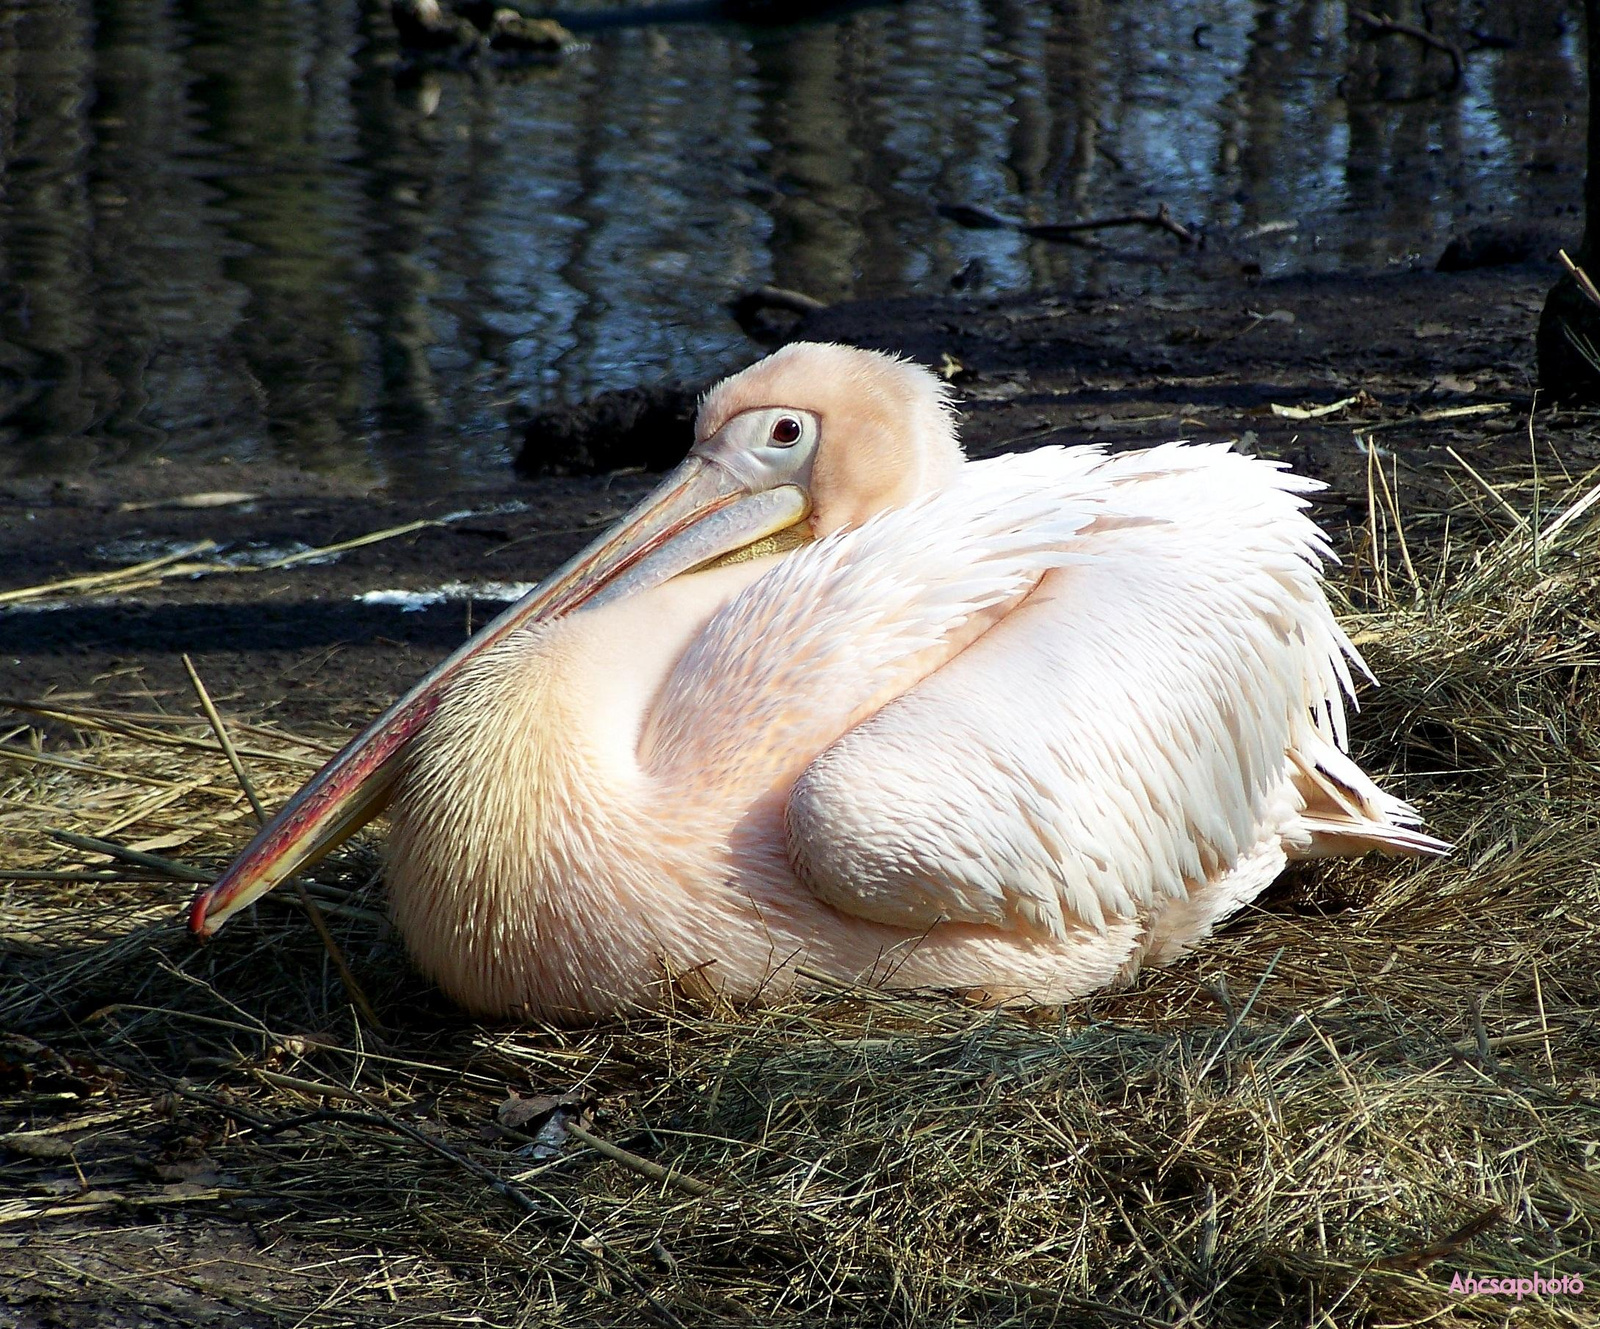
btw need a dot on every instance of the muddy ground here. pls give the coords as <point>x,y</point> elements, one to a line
<point>299,646</point>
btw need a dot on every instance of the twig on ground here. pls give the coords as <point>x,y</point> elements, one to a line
<point>172,565</point>
<point>99,1201</point>
<point>314,1088</point>
<point>95,581</point>
<point>223,741</point>
<point>1312,412</point>
<point>780,297</point>
<point>1442,413</point>
<point>750,309</point>
<point>167,867</point>
<point>1489,489</point>
<point>634,1163</point>
<point>1423,1256</point>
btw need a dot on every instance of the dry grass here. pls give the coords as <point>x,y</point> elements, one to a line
<point>1385,1074</point>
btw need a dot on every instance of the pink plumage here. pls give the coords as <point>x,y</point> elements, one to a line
<point>1015,726</point>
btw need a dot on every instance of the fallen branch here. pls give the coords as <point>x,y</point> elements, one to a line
<point>167,867</point>
<point>99,1201</point>
<point>981,219</point>
<point>1161,219</point>
<point>972,218</point>
<point>749,310</point>
<point>1381,25</point>
<point>1312,412</point>
<point>1421,1257</point>
<point>94,581</point>
<point>781,297</point>
<point>1489,489</point>
<point>1442,413</point>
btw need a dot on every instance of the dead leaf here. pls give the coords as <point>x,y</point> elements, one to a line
<point>169,841</point>
<point>213,498</point>
<point>516,1112</point>
<point>197,1171</point>
<point>1311,412</point>
<point>37,1146</point>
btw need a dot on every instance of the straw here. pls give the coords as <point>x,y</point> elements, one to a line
<point>1410,1092</point>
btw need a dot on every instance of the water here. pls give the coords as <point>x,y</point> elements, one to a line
<point>233,229</point>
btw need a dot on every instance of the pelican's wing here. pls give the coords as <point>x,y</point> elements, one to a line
<point>1165,703</point>
<point>837,628</point>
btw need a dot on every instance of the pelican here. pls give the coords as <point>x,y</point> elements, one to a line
<point>835,698</point>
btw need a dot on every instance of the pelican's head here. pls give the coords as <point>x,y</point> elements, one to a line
<point>810,440</point>
<point>865,430</point>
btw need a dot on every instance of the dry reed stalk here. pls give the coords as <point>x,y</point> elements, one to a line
<point>98,581</point>
<point>168,566</point>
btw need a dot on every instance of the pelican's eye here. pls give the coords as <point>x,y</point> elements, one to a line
<point>786,432</point>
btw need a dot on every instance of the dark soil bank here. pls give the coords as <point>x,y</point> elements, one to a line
<point>300,645</point>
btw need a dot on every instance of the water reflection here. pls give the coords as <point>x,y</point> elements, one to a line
<point>229,228</point>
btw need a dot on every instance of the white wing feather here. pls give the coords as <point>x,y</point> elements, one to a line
<point>834,623</point>
<point>1127,734</point>
<point>1138,723</point>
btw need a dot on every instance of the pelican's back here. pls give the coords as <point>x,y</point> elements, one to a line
<point>1147,735</point>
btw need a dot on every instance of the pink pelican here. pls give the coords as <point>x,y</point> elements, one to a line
<point>834,696</point>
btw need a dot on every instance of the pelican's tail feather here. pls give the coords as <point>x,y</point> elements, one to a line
<point>1346,813</point>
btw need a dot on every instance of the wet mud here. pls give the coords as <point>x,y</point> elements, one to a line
<point>313,646</point>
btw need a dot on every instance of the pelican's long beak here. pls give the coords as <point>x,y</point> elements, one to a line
<point>700,513</point>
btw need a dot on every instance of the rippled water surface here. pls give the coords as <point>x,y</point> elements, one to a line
<point>246,230</point>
